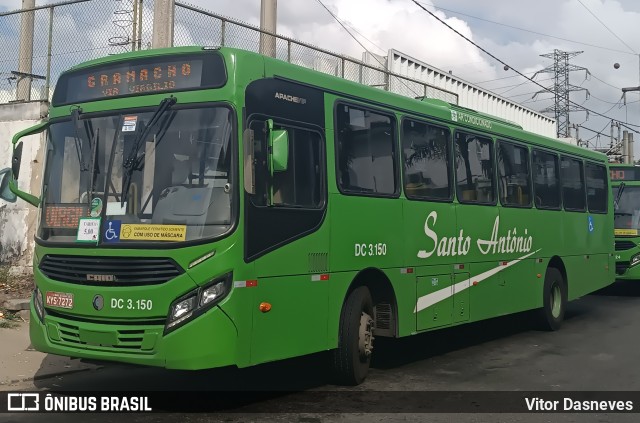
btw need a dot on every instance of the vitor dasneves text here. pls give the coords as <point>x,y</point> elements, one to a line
<point>569,404</point>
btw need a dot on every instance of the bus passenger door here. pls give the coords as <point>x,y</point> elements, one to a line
<point>435,301</point>
<point>290,247</point>
<point>284,209</point>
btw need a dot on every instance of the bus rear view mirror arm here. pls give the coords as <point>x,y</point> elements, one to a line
<point>16,160</point>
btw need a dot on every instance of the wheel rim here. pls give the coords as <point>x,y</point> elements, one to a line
<point>556,300</point>
<point>365,336</point>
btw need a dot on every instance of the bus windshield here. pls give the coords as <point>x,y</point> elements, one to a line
<point>627,215</point>
<point>148,176</point>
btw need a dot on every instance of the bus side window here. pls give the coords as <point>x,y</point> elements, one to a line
<point>596,188</point>
<point>513,173</point>
<point>546,182</point>
<point>573,192</point>
<point>427,161</point>
<point>474,169</point>
<point>300,184</point>
<point>365,151</point>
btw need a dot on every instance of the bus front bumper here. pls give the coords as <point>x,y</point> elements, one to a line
<point>206,342</point>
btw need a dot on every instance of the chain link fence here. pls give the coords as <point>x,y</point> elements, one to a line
<point>72,32</point>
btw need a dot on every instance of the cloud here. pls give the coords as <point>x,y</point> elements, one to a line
<point>82,32</point>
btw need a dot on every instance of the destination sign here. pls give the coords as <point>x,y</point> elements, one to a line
<point>624,173</point>
<point>141,76</point>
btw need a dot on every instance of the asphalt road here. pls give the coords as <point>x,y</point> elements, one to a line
<point>597,349</point>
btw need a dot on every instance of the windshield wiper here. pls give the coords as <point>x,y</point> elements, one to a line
<point>75,117</point>
<point>95,167</point>
<point>92,139</point>
<point>616,201</point>
<point>132,162</point>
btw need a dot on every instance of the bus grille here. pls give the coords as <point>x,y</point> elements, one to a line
<point>138,341</point>
<point>624,245</point>
<point>109,271</point>
<point>621,267</point>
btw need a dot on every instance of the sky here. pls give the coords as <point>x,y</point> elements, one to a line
<point>516,32</point>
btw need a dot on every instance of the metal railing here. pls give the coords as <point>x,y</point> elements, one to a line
<point>74,31</point>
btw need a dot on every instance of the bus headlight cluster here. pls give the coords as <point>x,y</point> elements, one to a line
<point>37,304</point>
<point>634,260</point>
<point>196,302</point>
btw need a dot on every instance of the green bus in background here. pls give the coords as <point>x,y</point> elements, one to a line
<point>207,207</point>
<point>625,180</point>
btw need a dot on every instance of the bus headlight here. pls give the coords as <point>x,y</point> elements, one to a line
<point>37,304</point>
<point>196,302</point>
<point>634,260</point>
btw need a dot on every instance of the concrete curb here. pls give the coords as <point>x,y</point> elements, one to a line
<point>15,305</point>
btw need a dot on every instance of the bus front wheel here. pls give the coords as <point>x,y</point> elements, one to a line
<point>554,300</point>
<point>352,358</point>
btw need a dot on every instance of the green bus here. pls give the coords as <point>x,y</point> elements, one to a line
<point>207,207</point>
<point>625,181</point>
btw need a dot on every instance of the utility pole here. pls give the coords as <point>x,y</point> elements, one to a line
<point>163,13</point>
<point>25,55</point>
<point>561,88</point>
<point>268,18</point>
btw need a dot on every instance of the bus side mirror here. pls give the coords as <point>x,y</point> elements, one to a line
<point>16,159</point>
<point>5,192</point>
<point>278,148</point>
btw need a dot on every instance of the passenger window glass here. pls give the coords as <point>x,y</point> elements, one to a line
<point>572,184</point>
<point>300,185</point>
<point>365,151</point>
<point>426,154</point>
<point>596,188</point>
<point>545,180</point>
<point>474,169</point>
<point>513,171</point>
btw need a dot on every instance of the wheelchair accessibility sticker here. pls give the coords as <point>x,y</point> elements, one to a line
<point>112,231</point>
<point>590,224</point>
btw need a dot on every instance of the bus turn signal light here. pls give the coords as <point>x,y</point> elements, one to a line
<point>265,307</point>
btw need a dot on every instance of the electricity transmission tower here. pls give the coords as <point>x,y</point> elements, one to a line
<point>561,88</point>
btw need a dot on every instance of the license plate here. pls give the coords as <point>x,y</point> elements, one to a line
<point>59,299</point>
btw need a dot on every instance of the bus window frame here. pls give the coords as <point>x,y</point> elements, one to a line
<point>527,147</point>
<point>584,184</point>
<point>494,176</point>
<point>258,117</point>
<point>450,173</point>
<point>394,145</point>
<point>535,149</point>
<point>607,178</point>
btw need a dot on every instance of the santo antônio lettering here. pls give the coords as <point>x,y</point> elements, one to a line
<point>513,242</point>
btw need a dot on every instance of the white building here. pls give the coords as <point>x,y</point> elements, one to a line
<point>469,95</point>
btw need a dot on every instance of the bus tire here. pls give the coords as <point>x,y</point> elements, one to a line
<point>554,300</point>
<point>351,360</point>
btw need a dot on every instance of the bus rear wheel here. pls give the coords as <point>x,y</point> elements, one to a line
<point>351,360</point>
<point>554,300</point>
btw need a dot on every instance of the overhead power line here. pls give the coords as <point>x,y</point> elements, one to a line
<point>488,53</point>
<point>608,29</point>
<point>526,30</point>
<point>362,45</point>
